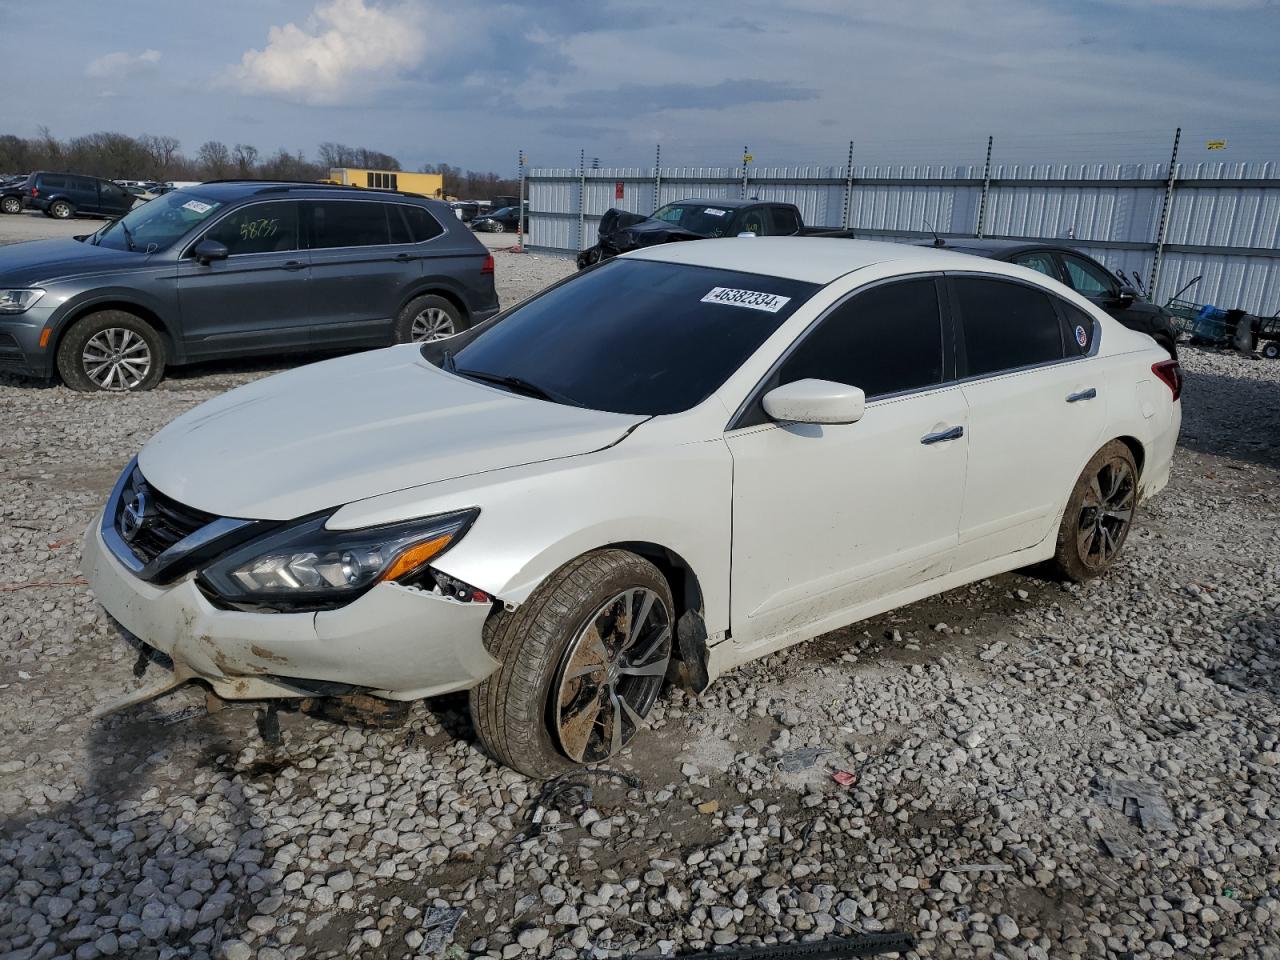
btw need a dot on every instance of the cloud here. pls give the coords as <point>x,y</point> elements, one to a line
<point>346,49</point>
<point>117,66</point>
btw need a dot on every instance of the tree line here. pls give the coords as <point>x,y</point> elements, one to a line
<point>118,156</point>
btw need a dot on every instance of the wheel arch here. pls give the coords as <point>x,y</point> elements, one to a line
<point>434,288</point>
<point>1136,448</point>
<point>124,306</point>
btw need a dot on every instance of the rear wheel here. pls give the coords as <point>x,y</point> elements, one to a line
<point>1271,350</point>
<point>429,318</point>
<point>113,351</point>
<point>60,210</point>
<point>11,205</point>
<point>1099,514</point>
<point>583,661</point>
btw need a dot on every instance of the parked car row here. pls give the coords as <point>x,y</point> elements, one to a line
<point>66,195</point>
<point>236,268</point>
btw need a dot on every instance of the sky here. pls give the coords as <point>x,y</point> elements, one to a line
<point>909,81</point>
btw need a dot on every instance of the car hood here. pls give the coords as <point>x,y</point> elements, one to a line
<point>331,433</point>
<point>41,261</point>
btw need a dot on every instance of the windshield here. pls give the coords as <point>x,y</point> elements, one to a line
<point>158,224</point>
<point>634,336</point>
<point>703,219</point>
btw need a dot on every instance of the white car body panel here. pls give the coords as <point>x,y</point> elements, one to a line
<point>789,530</point>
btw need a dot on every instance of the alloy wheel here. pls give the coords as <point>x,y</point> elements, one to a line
<point>611,675</point>
<point>116,359</point>
<point>432,323</point>
<point>12,205</point>
<point>1106,512</point>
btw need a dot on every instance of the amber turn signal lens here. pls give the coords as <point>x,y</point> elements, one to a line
<point>416,556</point>
<point>44,337</point>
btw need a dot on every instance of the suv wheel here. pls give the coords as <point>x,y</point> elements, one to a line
<point>113,351</point>
<point>429,318</point>
<point>583,661</point>
<point>11,205</point>
<point>60,210</point>
<point>1099,514</point>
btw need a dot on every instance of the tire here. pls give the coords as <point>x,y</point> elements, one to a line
<point>429,318</point>
<point>61,210</point>
<point>559,696</point>
<point>499,228</point>
<point>11,205</point>
<point>108,335</point>
<point>1271,350</point>
<point>1098,515</point>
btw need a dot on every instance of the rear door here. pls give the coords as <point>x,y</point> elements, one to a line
<point>113,199</point>
<point>363,260</point>
<point>1036,413</point>
<point>255,300</point>
<point>83,193</point>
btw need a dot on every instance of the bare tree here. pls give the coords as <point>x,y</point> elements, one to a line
<point>246,158</point>
<point>215,158</point>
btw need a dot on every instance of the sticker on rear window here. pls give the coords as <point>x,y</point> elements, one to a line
<point>1082,338</point>
<point>195,206</point>
<point>714,211</point>
<point>752,299</point>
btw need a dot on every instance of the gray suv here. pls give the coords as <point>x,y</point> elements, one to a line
<point>236,269</point>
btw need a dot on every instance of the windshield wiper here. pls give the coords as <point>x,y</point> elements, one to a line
<point>128,234</point>
<point>518,385</point>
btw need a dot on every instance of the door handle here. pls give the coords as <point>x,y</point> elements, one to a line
<point>405,257</point>
<point>942,436</point>
<point>293,265</point>
<point>1082,395</point>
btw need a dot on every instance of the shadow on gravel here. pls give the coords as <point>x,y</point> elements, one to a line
<point>1249,663</point>
<point>117,868</point>
<point>1233,417</point>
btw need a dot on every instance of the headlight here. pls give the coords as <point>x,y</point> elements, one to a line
<point>307,565</point>
<point>18,301</point>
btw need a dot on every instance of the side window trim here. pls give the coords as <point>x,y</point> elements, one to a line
<point>205,229</point>
<point>1060,307</point>
<point>962,359</point>
<point>764,384</point>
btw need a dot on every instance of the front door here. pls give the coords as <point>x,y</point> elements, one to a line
<point>828,518</point>
<point>1036,414</point>
<point>255,300</point>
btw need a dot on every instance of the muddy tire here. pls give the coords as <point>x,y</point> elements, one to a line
<point>61,210</point>
<point>113,351</point>
<point>11,205</point>
<point>429,318</point>
<point>583,661</point>
<point>1098,515</point>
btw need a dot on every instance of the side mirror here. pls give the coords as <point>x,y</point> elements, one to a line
<point>1124,296</point>
<point>207,251</point>
<point>815,401</point>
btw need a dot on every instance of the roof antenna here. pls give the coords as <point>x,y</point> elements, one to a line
<point>937,240</point>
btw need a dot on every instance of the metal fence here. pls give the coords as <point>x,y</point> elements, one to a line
<point>1219,221</point>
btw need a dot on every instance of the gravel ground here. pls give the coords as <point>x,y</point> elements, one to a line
<point>989,737</point>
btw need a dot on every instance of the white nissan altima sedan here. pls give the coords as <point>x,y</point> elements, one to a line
<point>676,461</point>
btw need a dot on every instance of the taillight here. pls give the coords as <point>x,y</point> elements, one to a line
<point>1170,374</point>
<point>35,192</point>
<point>488,264</point>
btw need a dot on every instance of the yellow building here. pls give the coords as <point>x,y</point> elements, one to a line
<point>427,184</point>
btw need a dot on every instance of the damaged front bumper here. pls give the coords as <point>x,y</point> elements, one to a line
<point>395,642</point>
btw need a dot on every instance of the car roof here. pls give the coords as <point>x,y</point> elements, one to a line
<point>986,247</point>
<point>228,190</point>
<point>723,202</point>
<point>810,259</point>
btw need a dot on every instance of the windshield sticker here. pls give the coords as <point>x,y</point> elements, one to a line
<point>751,299</point>
<point>196,206</point>
<point>714,211</point>
<point>1082,338</point>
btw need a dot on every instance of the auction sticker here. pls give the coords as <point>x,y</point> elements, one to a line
<point>714,211</point>
<point>195,206</point>
<point>1082,338</point>
<point>751,299</point>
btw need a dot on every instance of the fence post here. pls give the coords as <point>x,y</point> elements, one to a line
<point>986,188</point>
<point>657,179</point>
<point>1163,231</point>
<point>520,227</point>
<point>746,157</point>
<point>582,195</point>
<point>848,191</point>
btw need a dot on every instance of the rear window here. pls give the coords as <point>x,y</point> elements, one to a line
<point>636,336</point>
<point>53,183</point>
<point>422,225</point>
<point>1006,325</point>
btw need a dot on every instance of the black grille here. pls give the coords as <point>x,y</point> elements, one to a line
<point>167,520</point>
<point>9,343</point>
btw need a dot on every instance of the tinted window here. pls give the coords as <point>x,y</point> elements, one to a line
<point>53,183</point>
<point>636,336</point>
<point>785,221</point>
<point>422,224</point>
<point>1006,325</point>
<point>258,228</point>
<point>706,220</point>
<point>115,196</point>
<point>752,221</point>
<point>398,224</point>
<point>348,223</point>
<point>1088,278</point>
<point>1080,329</point>
<point>1040,262</point>
<point>884,340</point>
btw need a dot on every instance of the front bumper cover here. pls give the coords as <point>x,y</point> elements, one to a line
<point>394,641</point>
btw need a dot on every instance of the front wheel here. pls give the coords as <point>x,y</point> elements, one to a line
<point>111,350</point>
<point>11,205</point>
<point>583,661</point>
<point>1099,514</point>
<point>429,318</point>
<point>60,210</point>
